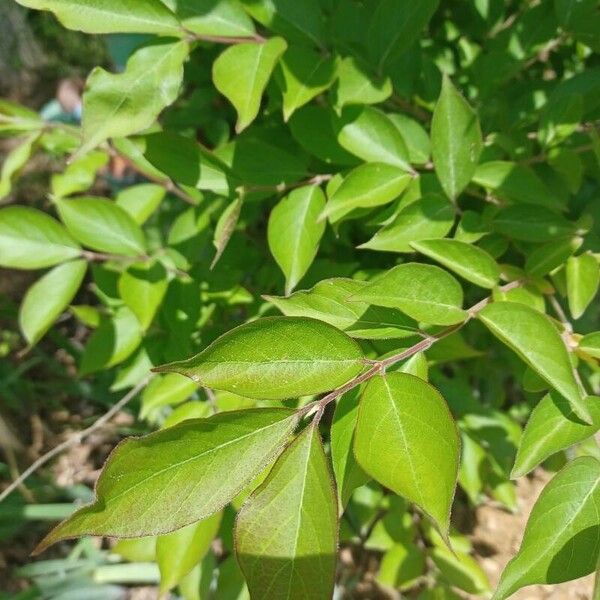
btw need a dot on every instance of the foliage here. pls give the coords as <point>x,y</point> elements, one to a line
<point>429,175</point>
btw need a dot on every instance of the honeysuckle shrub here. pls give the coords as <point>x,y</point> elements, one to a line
<point>352,271</point>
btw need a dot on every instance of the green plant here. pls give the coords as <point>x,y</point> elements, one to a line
<point>398,176</point>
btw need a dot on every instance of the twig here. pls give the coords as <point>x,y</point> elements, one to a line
<point>223,39</point>
<point>284,187</point>
<point>76,438</point>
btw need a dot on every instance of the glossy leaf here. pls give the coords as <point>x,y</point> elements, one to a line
<point>406,439</point>
<point>141,200</point>
<point>356,86</point>
<point>583,279</point>
<point>46,299</point>
<point>468,261</point>
<point>294,232</point>
<point>242,72</point>
<point>532,224</point>
<point>286,532</point>
<point>415,137</point>
<point>31,239</point>
<point>456,140</point>
<point>166,480</point>
<point>207,17</point>
<point>423,292</point>
<point>569,548</point>
<point>544,259</point>
<point>275,358</point>
<point>534,338</point>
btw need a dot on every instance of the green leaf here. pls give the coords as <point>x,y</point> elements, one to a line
<point>468,261</point>
<point>583,278</point>
<point>580,17</point>
<point>406,439</point>
<point>461,570</point>
<point>79,174</point>
<point>46,299</point>
<point>328,301</point>
<point>401,566</point>
<point>395,25</point>
<point>532,224</point>
<point>355,86</point>
<point>286,532</point>
<point>241,74</point>
<point>348,474</point>
<point>117,105</point>
<point>544,259</point>
<point>225,227</point>
<point>369,185</point>
<point>369,134</point>
<point>415,137</point>
<point>423,292</point>
<point>210,18</point>
<point>167,390</point>
<point>275,358</point>
<point>590,344</point>
<point>31,239</point>
<point>166,480</point>
<point>456,140</point>
<point>560,542</point>
<point>552,427</point>
<point>14,161</point>
<point>534,338</point>
<point>560,118</point>
<point>430,217</point>
<point>294,232</point>
<point>111,16</point>
<point>178,552</point>
<point>141,200</point>
<point>143,287</point>
<point>304,75</point>
<point>102,225</point>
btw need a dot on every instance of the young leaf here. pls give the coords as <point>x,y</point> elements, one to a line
<point>178,552</point>
<point>456,140</point>
<point>369,185</point>
<point>117,105</point>
<point>168,479</point>
<point>406,439</point>
<point>102,225</point>
<point>241,74</point>
<point>468,261</point>
<point>552,427</point>
<point>275,358</point>
<point>141,200</point>
<point>424,292</point>
<point>48,297</point>
<point>14,161</point>
<point>583,278</point>
<point>286,532</point>
<point>170,389</point>
<point>294,232</point>
<point>533,337</point>
<point>566,547</point>
<point>31,239</point>
<point>111,16</point>
<point>328,301</point>
<point>79,175</point>
<point>207,17</point>
<point>430,217</point>
<point>530,223</point>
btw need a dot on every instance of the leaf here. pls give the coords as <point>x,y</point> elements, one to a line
<point>367,186</point>
<point>79,174</point>
<point>406,439</point>
<point>14,161</point>
<point>168,479</point>
<point>423,292</point>
<point>178,552</point>
<point>275,358</point>
<point>533,337</point>
<point>46,299</point>
<point>304,74</point>
<point>430,217</point>
<point>456,140</point>
<point>168,390</point>
<point>286,532</point>
<point>143,287</point>
<point>415,137</point>
<point>580,17</point>
<point>590,344</point>
<point>348,474</point>
<point>141,200</point>
<point>356,86</point>
<point>544,259</point>
<point>31,239</point>
<point>395,25</point>
<point>461,570</point>
<point>210,18</point>
<point>241,74</point>
<point>225,227</point>
<point>369,134</point>
<point>294,232</point>
<point>117,105</point>
<point>552,427</point>
<point>111,16</point>
<point>401,566</point>
<point>102,225</point>
<point>567,547</point>
<point>583,278</point>
<point>532,224</point>
<point>468,261</point>
<point>328,301</point>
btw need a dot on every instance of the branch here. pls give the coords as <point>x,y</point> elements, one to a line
<point>76,438</point>
<point>224,39</point>
<point>284,187</point>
